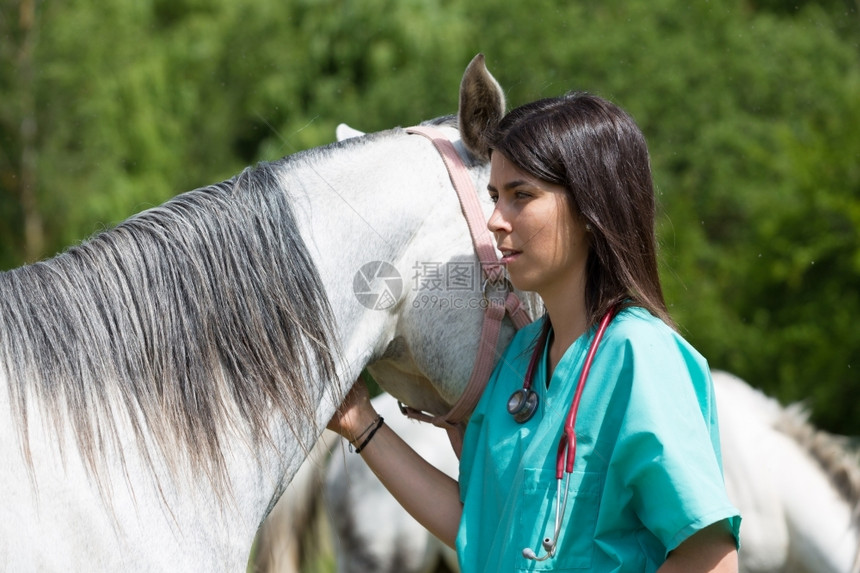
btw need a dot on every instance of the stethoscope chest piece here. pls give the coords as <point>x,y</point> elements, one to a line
<point>523,404</point>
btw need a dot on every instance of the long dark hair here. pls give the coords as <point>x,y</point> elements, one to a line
<point>595,150</point>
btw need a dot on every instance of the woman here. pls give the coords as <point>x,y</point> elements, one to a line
<point>574,221</point>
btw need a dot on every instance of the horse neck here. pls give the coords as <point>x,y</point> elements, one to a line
<point>391,203</point>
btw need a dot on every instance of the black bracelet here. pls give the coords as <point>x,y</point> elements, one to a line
<point>366,441</point>
<point>367,429</point>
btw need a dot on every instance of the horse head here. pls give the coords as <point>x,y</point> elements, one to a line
<point>428,362</point>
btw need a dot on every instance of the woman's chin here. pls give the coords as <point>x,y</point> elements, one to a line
<point>518,282</point>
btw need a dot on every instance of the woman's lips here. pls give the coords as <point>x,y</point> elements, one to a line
<point>509,255</point>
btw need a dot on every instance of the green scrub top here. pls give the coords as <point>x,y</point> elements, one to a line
<point>648,470</point>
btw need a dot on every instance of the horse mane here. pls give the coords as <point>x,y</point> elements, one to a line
<point>198,317</point>
<point>836,455</point>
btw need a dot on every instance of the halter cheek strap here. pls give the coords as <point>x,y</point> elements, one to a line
<point>497,306</point>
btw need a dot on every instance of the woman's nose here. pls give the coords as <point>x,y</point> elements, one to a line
<point>498,223</point>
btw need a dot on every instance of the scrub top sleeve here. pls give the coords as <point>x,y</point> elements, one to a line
<point>668,446</point>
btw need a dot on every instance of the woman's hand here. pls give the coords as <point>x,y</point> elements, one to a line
<point>430,496</point>
<point>355,414</point>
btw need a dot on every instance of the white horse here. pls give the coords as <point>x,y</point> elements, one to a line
<point>296,531</point>
<point>371,531</point>
<point>161,383</point>
<point>797,489</point>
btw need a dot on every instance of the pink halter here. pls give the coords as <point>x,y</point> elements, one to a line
<point>455,420</point>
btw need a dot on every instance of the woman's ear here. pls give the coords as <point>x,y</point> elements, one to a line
<point>482,105</point>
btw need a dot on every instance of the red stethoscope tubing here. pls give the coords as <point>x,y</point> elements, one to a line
<point>567,443</point>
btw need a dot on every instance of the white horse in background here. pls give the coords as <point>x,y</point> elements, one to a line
<point>296,531</point>
<point>161,383</point>
<point>371,531</point>
<point>797,488</point>
<point>367,529</point>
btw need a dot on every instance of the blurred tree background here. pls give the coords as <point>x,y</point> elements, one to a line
<point>751,108</point>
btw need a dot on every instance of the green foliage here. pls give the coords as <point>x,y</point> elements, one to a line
<point>751,110</point>
<point>751,115</point>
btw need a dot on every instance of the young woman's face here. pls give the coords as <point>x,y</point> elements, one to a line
<point>543,246</point>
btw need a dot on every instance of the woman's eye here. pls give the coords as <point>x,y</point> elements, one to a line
<point>494,198</point>
<point>522,195</point>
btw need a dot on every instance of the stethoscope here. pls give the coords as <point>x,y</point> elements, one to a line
<point>522,405</point>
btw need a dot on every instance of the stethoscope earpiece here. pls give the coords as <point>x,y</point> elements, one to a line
<point>549,545</point>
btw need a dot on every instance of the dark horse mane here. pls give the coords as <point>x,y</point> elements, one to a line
<point>200,315</point>
<point>837,456</point>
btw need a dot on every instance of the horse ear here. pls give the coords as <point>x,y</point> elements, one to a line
<point>482,105</point>
<point>343,131</point>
